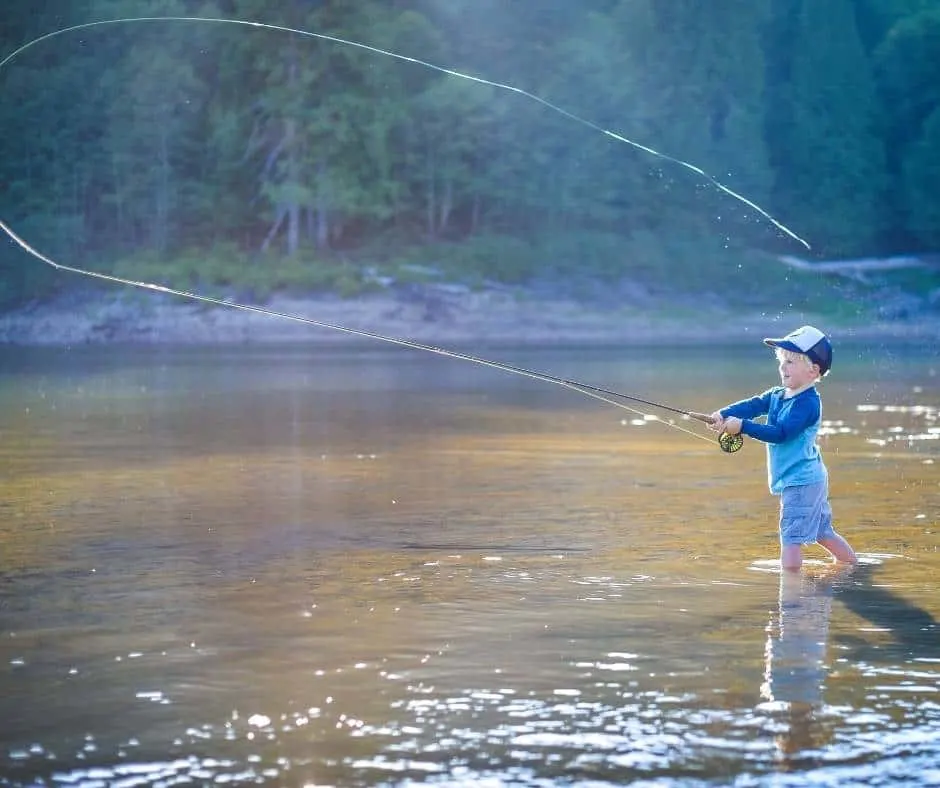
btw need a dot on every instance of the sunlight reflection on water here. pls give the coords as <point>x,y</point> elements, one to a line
<point>438,580</point>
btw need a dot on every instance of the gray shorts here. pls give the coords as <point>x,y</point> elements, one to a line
<point>805,514</point>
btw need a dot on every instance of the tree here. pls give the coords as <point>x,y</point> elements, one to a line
<point>49,114</point>
<point>824,134</point>
<point>906,65</point>
<point>696,73</point>
<point>445,138</point>
<point>325,116</point>
<point>157,101</point>
<point>877,17</point>
<point>920,184</point>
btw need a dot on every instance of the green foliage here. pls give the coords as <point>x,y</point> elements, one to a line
<point>227,272</point>
<point>921,281</point>
<point>877,17</point>
<point>22,279</point>
<point>906,63</point>
<point>503,259</point>
<point>230,158</point>
<point>921,183</point>
<point>700,71</point>
<point>506,259</point>
<point>825,129</point>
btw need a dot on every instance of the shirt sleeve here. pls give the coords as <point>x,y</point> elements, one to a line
<point>804,412</point>
<point>749,408</point>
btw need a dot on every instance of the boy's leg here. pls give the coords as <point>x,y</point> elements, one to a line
<point>791,557</point>
<point>839,548</point>
<point>795,521</point>
<point>826,536</point>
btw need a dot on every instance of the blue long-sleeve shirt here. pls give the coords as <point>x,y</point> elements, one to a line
<point>793,457</point>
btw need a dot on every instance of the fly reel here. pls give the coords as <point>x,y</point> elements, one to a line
<point>730,443</point>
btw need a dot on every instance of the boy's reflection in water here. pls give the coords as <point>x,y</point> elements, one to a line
<point>795,657</point>
<point>795,665</point>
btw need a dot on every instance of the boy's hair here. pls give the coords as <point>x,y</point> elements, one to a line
<point>782,353</point>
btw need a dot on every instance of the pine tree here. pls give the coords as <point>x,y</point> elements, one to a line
<point>824,131</point>
<point>906,67</point>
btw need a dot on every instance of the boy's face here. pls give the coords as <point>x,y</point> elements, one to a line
<point>796,371</point>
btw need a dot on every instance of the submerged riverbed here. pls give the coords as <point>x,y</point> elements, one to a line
<point>348,566</point>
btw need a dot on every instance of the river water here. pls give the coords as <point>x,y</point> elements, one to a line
<point>359,566</point>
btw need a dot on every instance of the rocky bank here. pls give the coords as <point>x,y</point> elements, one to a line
<point>429,314</point>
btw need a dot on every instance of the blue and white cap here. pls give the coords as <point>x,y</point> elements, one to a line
<point>809,341</point>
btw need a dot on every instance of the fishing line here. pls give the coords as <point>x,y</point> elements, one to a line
<point>727,443</point>
<point>595,392</point>
<point>441,69</point>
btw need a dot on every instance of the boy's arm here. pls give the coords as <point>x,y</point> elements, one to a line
<point>748,408</point>
<point>803,413</point>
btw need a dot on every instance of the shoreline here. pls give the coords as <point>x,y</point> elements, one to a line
<point>427,314</point>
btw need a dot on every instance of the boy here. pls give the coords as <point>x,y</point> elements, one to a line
<point>795,468</point>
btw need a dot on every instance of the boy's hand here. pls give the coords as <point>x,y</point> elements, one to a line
<point>713,420</point>
<point>731,425</point>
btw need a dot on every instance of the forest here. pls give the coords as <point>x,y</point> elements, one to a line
<point>213,155</point>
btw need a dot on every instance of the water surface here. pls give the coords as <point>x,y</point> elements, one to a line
<point>362,566</point>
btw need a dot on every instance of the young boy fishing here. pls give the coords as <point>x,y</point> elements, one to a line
<point>795,468</point>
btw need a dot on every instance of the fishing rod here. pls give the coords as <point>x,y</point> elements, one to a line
<point>727,443</point>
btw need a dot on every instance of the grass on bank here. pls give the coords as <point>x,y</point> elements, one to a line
<point>600,267</point>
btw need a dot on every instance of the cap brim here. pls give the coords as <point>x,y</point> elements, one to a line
<point>786,344</point>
